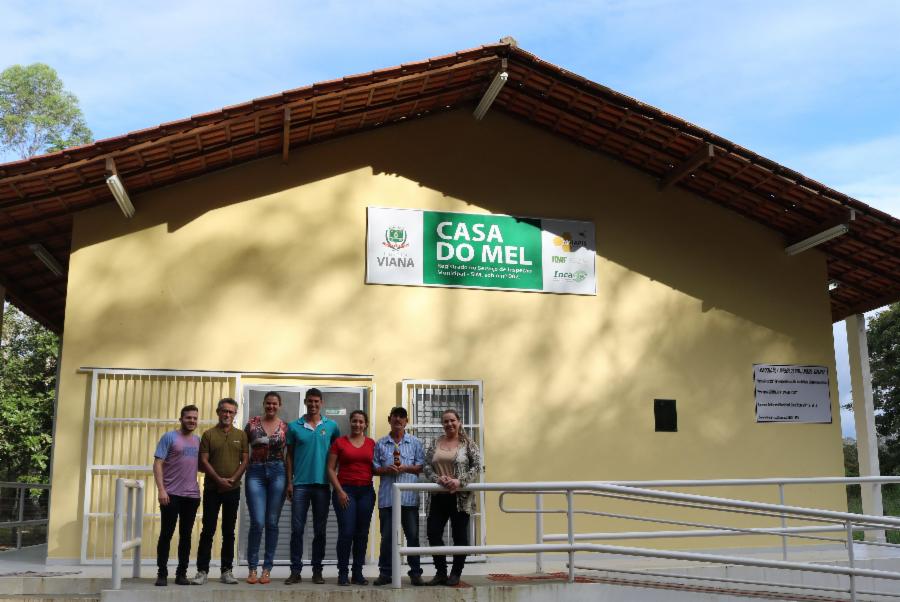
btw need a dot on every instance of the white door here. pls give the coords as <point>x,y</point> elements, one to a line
<point>338,402</point>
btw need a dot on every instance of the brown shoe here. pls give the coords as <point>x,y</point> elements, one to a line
<point>294,578</point>
<point>266,578</point>
<point>251,577</point>
<point>317,577</point>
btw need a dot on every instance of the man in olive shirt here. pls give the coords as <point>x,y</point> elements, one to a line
<point>223,457</point>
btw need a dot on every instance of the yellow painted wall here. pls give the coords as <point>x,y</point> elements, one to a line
<point>261,267</point>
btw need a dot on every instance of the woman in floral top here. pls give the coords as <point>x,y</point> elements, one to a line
<point>452,461</point>
<point>265,483</point>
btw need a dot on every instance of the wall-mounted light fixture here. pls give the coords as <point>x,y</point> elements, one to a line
<point>46,258</point>
<point>117,188</point>
<point>491,93</point>
<point>817,239</point>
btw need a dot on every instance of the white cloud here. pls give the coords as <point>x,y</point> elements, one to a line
<point>866,170</point>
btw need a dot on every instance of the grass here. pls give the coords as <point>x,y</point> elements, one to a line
<point>890,497</point>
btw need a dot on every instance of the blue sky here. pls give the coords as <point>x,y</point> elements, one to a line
<point>812,85</point>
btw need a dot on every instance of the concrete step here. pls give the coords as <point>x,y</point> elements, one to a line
<point>52,587</point>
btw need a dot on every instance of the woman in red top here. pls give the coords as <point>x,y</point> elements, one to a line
<point>350,473</point>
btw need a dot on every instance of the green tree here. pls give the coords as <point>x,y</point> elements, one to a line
<point>27,389</point>
<point>37,114</point>
<point>884,357</point>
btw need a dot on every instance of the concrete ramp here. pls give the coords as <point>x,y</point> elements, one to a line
<point>480,588</point>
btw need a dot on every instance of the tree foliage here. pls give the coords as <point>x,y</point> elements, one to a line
<point>27,389</point>
<point>851,458</point>
<point>36,113</point>
<point>884,358</point>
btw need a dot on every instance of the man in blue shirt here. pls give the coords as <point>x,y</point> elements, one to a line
<point>308,440</point>
<point>398,459</point>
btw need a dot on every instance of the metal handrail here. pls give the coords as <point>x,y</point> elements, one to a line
<point>570,489</point>
<point>781,482</point>
<point>130,524</point>
<point>21,522</point>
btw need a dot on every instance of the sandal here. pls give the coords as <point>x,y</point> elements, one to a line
<point>251,578</point>
<point>265,577</point>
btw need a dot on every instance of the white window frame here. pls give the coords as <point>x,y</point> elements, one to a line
<point>236,376</point>
<point>90,468</point>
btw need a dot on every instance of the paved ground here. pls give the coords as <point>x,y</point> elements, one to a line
<point>497,576</point>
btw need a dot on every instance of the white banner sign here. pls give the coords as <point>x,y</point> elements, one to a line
<point>792,393</point>
<point>441,248</point>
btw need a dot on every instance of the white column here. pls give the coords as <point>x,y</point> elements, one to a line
<point>2,305</point>
<point>864,417</point>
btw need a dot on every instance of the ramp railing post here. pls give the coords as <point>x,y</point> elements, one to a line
<point>539,531</point>
<point>118,535</point>
<point>127,523</point>
<point>138,531</point>
<point>570,516</point>
<point>784,553</point>
<point>397,534</point>
<point>850,560</point>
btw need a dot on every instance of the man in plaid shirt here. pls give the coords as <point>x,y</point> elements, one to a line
<point>398,459</point>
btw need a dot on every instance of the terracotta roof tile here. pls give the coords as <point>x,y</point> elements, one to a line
<point>39,195</point>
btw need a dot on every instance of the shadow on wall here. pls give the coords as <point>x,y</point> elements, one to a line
<point>709,258</point>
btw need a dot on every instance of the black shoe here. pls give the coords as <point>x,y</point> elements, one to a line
<point>294,578</point>
<point>452,580</point>
<point>439,579</point>
<point>383,580</point>
<point>342,580</point>
<point>359,580</point>
<point>161,581</point>
<point>415,580</point>
<point>181,580</point>
<point>317,577</point>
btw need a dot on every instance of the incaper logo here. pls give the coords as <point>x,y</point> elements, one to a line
<point>395,238</point>
<point>579,276</point>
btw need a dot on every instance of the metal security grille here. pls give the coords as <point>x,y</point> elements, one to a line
<point>426,400</point>
<point>130,411</point>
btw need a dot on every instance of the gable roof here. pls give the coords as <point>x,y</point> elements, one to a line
<point>38,196</point>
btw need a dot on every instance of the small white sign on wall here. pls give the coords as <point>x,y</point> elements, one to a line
<point>789,393</point>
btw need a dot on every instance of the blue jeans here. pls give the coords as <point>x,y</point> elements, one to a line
<point>265,496</point>
<point>409,520</point>
<point>353,526</point>
<point>304,496</point>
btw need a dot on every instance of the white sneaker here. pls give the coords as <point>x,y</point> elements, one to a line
<point>199,578</point>
<point>228,578</point>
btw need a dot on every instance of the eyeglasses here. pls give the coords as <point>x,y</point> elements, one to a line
<point>224,411</point>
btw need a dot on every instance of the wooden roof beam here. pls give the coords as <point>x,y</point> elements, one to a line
<point>286,136</point>
<point>701,156</point>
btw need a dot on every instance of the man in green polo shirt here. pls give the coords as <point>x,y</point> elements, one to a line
<point>309,438</point>
<point>223,457</point>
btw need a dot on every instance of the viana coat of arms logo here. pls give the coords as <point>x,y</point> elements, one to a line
<point>395,238</point>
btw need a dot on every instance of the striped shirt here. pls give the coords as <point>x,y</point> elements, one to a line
<point>411,454</point>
